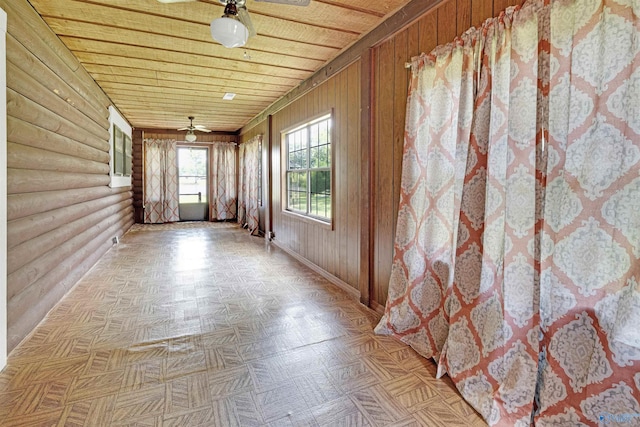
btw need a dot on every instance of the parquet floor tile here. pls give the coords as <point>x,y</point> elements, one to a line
<point>200,324</point>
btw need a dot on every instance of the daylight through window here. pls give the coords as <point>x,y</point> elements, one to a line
<point>308,180</point>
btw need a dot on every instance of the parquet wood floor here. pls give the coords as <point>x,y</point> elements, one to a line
<point>204,325</point>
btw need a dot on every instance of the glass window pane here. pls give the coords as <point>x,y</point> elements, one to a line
<point>192,175</point>
<point>297,181</point>
<point>318,158</point>
<point>313,135</point>
<point>324,133</point>
<point>308,188</point>
<point>320,193</point>
<point>303,137</point>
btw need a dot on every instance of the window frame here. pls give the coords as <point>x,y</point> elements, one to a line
<point>207,149</point>
<point>284,150</point>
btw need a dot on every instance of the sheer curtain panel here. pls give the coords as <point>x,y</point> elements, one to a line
<point>223,181</point>
<point>160,181</point>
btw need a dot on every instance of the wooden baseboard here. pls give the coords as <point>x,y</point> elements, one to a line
<point>330,277</point>
<point>377,307</point>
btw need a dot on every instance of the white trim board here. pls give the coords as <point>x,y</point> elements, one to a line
<point>3,190</point>
<point>116,118</point>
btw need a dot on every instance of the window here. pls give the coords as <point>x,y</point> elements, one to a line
<point>120,151</point>
<point>308,175</point>
<point>192,174</point>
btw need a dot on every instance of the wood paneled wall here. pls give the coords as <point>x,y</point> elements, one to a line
<point>334,251</point>
<point>390,77</point>
<point>62,214</point>
<point>137,171</point>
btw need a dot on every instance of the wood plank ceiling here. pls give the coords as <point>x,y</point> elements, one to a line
<point>158,63</point>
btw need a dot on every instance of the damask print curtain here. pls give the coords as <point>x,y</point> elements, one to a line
<point>514,246</point>
<point>249,159</point>
<point>590,269</point>
<point>223,181</point>
<point>160,181</point>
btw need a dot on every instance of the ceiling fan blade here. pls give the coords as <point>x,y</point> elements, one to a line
<point>187,128</point>
<point>243,16</point>
<point>290,2</point>
<point>203,130</point>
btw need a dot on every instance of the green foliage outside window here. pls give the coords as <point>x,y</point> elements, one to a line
<point>308,151</point>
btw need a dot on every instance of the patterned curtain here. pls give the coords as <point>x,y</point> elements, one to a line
<point>160,181</point>
<point>223,181</point>
<point>590,269</point>
<point>242,207</point>
<point>516,254</point>
<point>248,215</point>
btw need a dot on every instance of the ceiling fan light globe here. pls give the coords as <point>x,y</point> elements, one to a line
<point>190,137</point>
<point>229,32</point>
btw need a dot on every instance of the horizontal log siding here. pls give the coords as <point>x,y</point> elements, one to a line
<point>61,212</point>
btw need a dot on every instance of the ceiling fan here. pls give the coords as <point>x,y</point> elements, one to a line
<point>235,26</point>
<point>191,136</point>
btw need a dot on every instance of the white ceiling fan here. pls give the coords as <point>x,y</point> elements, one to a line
<point>191,136</point>
<point>234,28</point>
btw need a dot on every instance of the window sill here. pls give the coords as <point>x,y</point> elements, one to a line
<point>309,220</point>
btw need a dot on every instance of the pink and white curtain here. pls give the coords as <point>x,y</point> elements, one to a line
<point>160,181</point>
<point>516,257</point>
<point>590,243</point>
<point>223,181</point>
<point>249,159</point>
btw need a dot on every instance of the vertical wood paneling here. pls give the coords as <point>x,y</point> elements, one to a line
<point>3,192</point>
<point>63,214</point>
<point>436,27</point>
<point>413,44</point>
<point>447,22</point>
<point>340,172</point>
<point>399,112</point>
<point>336,250</point>
<point>385,103</point>
<point>353,176</point>
<point>463,14</point>
<point>480,11</point>
<point>428,32</point>
<point>332,238</point>
<point>501,5</point>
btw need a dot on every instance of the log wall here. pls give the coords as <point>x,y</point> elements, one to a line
<point>62,214</point>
